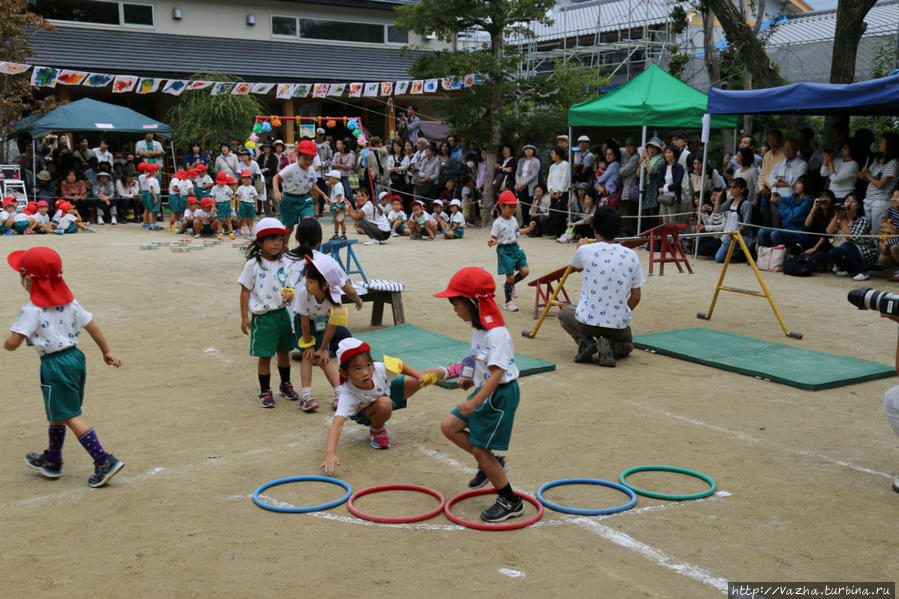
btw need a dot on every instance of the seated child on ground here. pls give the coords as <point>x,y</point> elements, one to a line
<point>420,222</point>
<point>206,221</point>
<point>396,217</point>
<point>456,221</point>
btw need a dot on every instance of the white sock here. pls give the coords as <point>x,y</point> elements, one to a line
<point>306,391</point>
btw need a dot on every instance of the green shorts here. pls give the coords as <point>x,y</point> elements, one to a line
<point>177,204</point>
<point>459,233</point>
<point>146,198</point>
<point>510,258</point>
<point>62,382</point>
<point>270,333</point>
<point>72,228</point>
<point>246,210</point>
<point>397,397</point>
<point>294,207</point>
<point>298,331</point>
<point>201,193</point>
<point>20,226</point>
<point>223,210</point>
<point>490,427</point>
<point>206,230</point>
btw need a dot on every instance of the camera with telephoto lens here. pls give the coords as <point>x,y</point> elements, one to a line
<point>865,298</point>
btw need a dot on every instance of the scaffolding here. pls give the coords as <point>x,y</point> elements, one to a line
<point>619,37</point>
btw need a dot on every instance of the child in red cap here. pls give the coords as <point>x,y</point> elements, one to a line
<point>51,322</point>
<point>293,185</point>
<point>149,194</point>
<point>7,215</point>
<point>202,182</point>
<point>246,202</point>
<point>41,222</point>
<point>180,188</point>
<point>223,194</point>
<point>205,221</point>
<point>483,423</point>
<point>509,255</point>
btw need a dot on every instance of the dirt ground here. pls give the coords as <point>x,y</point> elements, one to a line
<point>803,477</point>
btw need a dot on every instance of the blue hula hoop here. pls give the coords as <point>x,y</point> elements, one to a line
<point>587,481</point>
<point>311,508</point>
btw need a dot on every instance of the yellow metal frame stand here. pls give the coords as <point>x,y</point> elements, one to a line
<point>764,293</point>
<point>552,301</point>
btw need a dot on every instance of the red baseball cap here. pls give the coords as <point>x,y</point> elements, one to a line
<point>44,267</point>
<point>206,202</point>
<point>192,200</point>
<point>476,283</point>
<point>246,173</point>
<point>180,173</point>
<point>192,172</point>
<point>9,200</point>
<point>507,197</point>
<point>307,147</point>
<point>42,204</point>
<point>222,179</point>
<point>201,168</point>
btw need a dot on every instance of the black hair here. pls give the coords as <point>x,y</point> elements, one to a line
<point>310,272</point>
<point>364,190</point>
<point>777,135</point>
<point>859,200</point>
<point>829,195</point>
<point>741,183</point>
<point>253,249</point>
<point>344,365</point>
<point>309,237</point>
<point>747,157</point>
<point>606,222</point>
<point>560,152</point>
<point>473,309</point>
<point>614,149</point>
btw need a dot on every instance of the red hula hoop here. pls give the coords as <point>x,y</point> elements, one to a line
<point>383,520</point>
<point>483,526</point>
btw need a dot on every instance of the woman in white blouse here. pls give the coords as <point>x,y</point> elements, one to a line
<point>557,183</point>
<point>842,171</point>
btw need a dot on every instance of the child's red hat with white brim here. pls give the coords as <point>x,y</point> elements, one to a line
<point>269,226</point>
<point>349,348</point>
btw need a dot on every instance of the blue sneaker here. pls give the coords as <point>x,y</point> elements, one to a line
<point>39,462</point>
<point>145,226</point>
<point>9,232</point>
<point>103,472</point>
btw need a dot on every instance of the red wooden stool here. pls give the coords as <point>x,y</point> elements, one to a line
<point>545,288</point>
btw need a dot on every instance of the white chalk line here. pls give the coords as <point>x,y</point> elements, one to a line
<point>511,573</point>
<point>75,492</point>
<point>756,440</point>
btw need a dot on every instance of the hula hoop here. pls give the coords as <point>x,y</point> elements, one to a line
<point>587,481</point>
<point>294,479</point>
<point>481,526</point>
<point>699,475</point>
<point>359,514</point>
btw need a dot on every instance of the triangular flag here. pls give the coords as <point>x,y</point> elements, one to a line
<point>261,88</point>
<point>97,80</point>
<point>148,85</point>
<point>67,77</point>
<point>418,86</point>
<point>401,87</point>
<point>355,90</point>
<point>320,90</point>
<point>13,68</point>
<point>123,83</point>
<point>284,91</point>
<point>371,89</point>
<point>302,90</point>
<point>468,80</point>
<point>221,88</point>
<point>44,77</point>
<point>175,86</point>
<point>430,86</point>
<point>337,89</point>
<point>386,88</point>
<point>195,85</point>
<point>242,89</point>
<point>455,82</point>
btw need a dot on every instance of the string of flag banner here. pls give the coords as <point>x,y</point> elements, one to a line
<point>53,76</point>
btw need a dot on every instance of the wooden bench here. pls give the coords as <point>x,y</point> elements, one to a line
<point>380,292</point>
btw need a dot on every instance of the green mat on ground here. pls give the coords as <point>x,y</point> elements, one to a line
<point>423,348</point>
<point>794,366</point>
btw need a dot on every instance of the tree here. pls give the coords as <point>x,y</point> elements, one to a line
<point>746,39</point>
<point>498,19</point>
<point>18,98</point>
<point>211,120</point>
<point>847,34</point>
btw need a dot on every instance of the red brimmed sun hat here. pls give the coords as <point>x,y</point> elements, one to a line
<point>222,179</point>
<point>307,147</point>
<point>269,226</point>
<point>477,284</point>
<point>44,267</point>
<point>507,197</point>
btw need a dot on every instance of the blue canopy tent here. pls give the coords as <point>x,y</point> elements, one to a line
<point>876,97</point>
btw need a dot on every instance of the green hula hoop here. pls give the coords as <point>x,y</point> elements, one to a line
<point>699,475</point>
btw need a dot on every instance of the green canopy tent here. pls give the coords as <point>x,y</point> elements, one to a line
<point>653,98</point>
<point>91,115</point>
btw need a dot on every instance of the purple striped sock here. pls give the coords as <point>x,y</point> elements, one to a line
<point>57,434</point>
<point>92,445</point>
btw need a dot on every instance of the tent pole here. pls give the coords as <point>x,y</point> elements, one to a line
<point>705,158</point>
<point>174,160</point>
<point>33,168</point>
<point>640,196</point>
<point>570,178</point>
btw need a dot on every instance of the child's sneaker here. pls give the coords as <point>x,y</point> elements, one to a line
<point>335,237</point>
<point>510,306</point>
<point>103,472</point>
<point>343,237</point>
<point>502,510</point>
<point>145,226</point>
<point>480,479</point>
<point>220,235</point>
<point>39,461</point>
<point>100,220</point>
<point>231,235</point>
<point>379,438</point>
<point>113,220</point>
<point>606,354</point>
<point>372,242</point>
<point>287,391</point>
<point>266,400</point>
<point>308,404</point>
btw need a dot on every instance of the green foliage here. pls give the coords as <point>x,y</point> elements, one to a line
<point>212,119</point>
<point>678,63</point>
<point>679,20</point>
<point>885,57</point>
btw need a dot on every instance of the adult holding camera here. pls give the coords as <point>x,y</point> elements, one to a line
<point>816,222</point>
<point>881,175</point>
<point>410,124</point>
<point>793,210</point>
<point>851,253</point>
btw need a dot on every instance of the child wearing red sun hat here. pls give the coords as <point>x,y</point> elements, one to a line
<point>509,256</point>
<point>483,423</point>
<point>223,195</point>
<point>50,322</point>
<point>294,186</point>
<point>149,195</point>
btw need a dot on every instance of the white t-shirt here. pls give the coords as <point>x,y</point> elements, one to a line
<point>191,213</point>
<point>459,218</point>
<point>265,282</point>
<point>394,215</point>
<point>175,186</point>
<point>297,280</point>
<point>378,217</point>
<point>21,217</point>
<point>247,193</point>
<point>493,347</point>
<point>306,304</point>
<point>505,230</point>
<point>4,216</point>
<point>66,220</point>
<point>51,329</point>
<point>203,181</point>
<point>610,272</point>
<point>148,183</point>
<point>221,194</point>
<point>297,180</point>
<point>337,196</point>
<point>200,213</point>
<point>353,400</point>
<point>42,218</point>
<point>253,167</point>
<point>186,187</point>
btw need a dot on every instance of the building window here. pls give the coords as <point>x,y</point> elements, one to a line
<point>339,31</point>
<point>100,12</point>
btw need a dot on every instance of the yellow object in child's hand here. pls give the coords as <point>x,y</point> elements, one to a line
<point>304,344</point>
<point>339,317</point>
<point>287,294</point>
<point>428,380</point>
<point>394,365</point>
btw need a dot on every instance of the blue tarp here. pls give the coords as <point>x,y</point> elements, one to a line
<point>866,98</point>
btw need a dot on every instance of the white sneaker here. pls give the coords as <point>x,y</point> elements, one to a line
<point>394,234</point>
<point>862,276</point>
<point>372,242</point>
<point>839,273</point>
<point>564,238</point>
<point>510,306</point>
<point>100,220</point>
<point>113,221</point>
